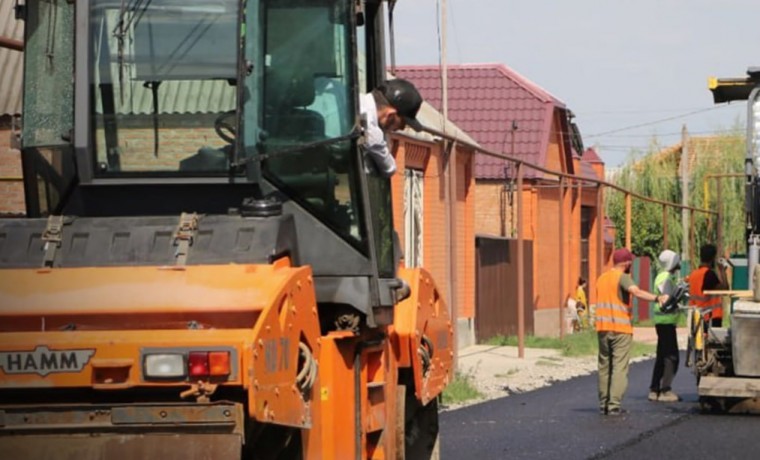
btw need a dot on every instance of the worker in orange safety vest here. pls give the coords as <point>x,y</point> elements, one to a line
<point>707,278</point>
<point>614,327</point>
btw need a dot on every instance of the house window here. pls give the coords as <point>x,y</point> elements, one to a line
<point>413,187</point>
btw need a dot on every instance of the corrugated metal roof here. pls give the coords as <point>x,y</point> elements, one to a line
<point>174,96</point>
<point>11,61</point>
<point>196,96</point>
<point>484,100</point>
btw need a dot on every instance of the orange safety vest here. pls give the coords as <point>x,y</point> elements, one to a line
<point>697,298</point>
<point>612,314</point>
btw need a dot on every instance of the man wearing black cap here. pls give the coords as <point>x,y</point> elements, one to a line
<point>614,327</point>
<point>392,106</point>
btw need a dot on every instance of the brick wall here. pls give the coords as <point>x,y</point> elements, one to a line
<point>554,156</point>
<point>546,250</point>
<point>435,244</point>
<point>137,154</point>
<point>465,234</point>
<point>493,213</point>
<point>137,147</point>
<point>434,250</point>
<point>11,186</point>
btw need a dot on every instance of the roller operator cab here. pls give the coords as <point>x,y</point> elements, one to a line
<point>207,269</point>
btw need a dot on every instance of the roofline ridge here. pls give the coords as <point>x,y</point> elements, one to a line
<point>593,156</point>
<point>470,65</point>
<point>530,85</point>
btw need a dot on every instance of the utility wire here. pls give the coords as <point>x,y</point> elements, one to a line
<point>714,131</point>
<point>633,111</point>
<point>640,111</point>
<point>655,122</point>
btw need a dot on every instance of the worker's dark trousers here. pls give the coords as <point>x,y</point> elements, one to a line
<point>666,363</point>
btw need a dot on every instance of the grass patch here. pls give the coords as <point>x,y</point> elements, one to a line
<point>530,341</point>
<point>460,389</point>
<point>573,345</point>
<point>581,344</point>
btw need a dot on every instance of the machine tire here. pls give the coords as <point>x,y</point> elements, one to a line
<point>712,405</point>
<point>273,442</point>
<point>418,435</point>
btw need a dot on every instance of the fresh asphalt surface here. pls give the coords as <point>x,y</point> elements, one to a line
<point>562,422</point>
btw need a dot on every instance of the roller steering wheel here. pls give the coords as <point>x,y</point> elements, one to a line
<point>225,127</point>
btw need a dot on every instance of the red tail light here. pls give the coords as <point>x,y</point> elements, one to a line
<point>197,364</point>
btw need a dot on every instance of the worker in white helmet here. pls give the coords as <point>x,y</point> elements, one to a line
<point>666,362</point>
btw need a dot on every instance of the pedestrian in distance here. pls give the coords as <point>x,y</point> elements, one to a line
<point>666,360</point>
<point>614,327</point>
<point>708,276</point>
<point>581,303</point>
<point>392,106</point>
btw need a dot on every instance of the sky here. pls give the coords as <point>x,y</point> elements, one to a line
<point>615,63</point>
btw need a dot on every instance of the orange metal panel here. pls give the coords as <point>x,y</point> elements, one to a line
<point>423,316</point>
<point>274,358</point>
<point>105,351</point>
<point>355,369</point>
<point>102,318</point>
<point>114,290</point>
<point>335,404</point>
<point>379,383</point>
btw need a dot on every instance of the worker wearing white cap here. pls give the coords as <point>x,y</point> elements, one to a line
<point>666,361</point>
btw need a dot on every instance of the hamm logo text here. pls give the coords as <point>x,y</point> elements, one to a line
<point>44,361</point>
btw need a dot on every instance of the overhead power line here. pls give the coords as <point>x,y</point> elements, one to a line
<point>634,111</point>
<point>712,131</point>
<point>654,122</point>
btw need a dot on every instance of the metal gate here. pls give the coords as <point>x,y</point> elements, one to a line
<point>496,287</point>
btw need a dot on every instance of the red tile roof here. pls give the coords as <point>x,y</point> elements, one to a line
<point>590,156</point>
<point>484,99</point>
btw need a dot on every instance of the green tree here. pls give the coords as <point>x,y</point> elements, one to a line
<point>656,175</point>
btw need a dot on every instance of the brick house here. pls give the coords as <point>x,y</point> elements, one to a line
<point>421,208</point>
<point>507,113</point>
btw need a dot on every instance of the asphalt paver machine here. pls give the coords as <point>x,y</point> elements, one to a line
<point>727,360</point>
